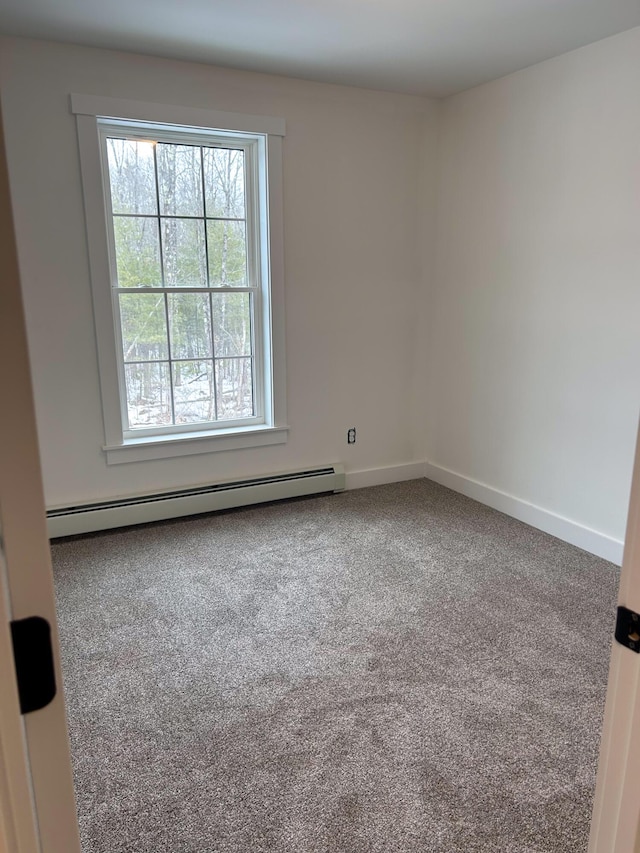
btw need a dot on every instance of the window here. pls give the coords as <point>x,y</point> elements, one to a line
<point>184,227</point>
<point>186,277</point>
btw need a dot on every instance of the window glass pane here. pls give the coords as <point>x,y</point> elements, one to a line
<point>227,253</point>
<point>148,394</point>
<point>234,384</point>
<point>190,325</point>
<point>137,252</point>
<point>180,224</point>
<point>224,182</point>
<point>179,180</point>
<point>183,253</point>
<point>194,399</point>
<point>144,327</point>
<point>132,176</point>
<point>232,324</point>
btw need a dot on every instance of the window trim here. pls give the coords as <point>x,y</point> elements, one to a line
<point>118,447</point>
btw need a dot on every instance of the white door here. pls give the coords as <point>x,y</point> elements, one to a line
<point>37,807</point>
<point>615,826</point>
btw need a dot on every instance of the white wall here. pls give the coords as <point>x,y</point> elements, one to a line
<point>493,333</point>
<point>352,232</point>
<point>534,359</point>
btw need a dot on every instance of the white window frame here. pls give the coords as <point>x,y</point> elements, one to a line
<point>94,114</point>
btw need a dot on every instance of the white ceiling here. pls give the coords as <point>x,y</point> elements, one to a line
<point>425,47</point>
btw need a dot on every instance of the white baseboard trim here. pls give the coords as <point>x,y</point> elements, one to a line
<point>381,476</point>
<point>563,528</point>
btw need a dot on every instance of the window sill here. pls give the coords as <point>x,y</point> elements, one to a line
<point>169,446</point>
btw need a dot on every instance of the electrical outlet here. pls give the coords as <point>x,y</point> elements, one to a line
<point>351,436</point>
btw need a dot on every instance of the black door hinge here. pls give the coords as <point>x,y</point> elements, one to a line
<point>33,658</point>
<point>628,629</point>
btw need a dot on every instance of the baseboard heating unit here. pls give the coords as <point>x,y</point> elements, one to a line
<point>139,509</point>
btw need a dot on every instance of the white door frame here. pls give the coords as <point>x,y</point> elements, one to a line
<point>37,802</point>
<point>18,829</point>
<point>615,826</point>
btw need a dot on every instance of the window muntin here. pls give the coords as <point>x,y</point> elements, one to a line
<point>185,256</point>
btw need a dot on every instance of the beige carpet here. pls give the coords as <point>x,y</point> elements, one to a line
<point>391,669</point>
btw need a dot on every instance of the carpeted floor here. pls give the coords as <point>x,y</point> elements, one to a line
<point>390,669</point>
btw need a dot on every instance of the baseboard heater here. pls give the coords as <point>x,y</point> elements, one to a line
<point>139,509</point>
